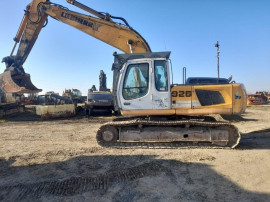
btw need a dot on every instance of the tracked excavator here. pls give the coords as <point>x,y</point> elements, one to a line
<point>155,112</point>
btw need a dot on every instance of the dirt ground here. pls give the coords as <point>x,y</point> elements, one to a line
<point>59,160</point>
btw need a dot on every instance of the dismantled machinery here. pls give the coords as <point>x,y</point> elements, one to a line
<point>101,100</point>
<point>157,113</point>
<point>51,105</point>
<point>10,103</point>
<point>264,95</point>
<point>74,94</point>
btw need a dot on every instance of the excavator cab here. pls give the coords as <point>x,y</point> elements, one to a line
<point>142,84</point>
<point>14,79</point>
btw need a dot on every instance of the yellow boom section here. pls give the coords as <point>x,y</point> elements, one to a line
<point>118,36</point>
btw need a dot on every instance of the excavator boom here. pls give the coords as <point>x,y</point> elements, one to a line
<point>102,27</point>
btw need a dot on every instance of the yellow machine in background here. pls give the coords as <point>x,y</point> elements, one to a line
<point>157,112</point>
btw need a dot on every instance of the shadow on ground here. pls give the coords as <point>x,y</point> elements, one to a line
<point>236,118</point>
<point>255,140</point>
<point>119,178</point>
<point>28,116</point>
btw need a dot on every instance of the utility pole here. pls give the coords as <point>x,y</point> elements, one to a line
<point>217,45</point>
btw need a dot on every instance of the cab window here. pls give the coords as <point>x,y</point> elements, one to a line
<point>161,77</point>
<point>136,81</point>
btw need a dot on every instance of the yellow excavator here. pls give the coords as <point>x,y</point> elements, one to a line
<point>155,112</point>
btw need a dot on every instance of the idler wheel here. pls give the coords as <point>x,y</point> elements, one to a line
<point>110,134</point>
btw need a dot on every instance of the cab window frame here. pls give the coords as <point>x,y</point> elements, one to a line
<point>134,88</point>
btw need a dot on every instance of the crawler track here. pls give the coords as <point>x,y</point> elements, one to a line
<point>234,135</point>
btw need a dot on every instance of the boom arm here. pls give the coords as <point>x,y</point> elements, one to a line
<point>103,28</point>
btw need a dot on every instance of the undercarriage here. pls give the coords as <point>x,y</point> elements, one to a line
<point>145,133</point>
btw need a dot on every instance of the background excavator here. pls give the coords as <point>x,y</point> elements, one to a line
<point>156,113</point>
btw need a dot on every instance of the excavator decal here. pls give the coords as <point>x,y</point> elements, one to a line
<point>80,20</point>
<point>237,95</point>
<point>181,94</point>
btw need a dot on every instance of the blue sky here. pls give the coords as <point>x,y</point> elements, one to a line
<point>64,57</point>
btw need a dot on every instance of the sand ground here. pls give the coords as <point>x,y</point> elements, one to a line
<point>59,160</point>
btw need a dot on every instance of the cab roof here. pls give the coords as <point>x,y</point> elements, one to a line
<point>120,59</point>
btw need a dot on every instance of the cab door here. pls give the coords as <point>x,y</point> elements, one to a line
<point>161,85</point>
<point>135,86</point>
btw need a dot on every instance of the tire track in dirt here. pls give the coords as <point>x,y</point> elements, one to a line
<point>78,185</point>
<point>63,152</point>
